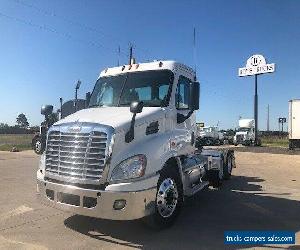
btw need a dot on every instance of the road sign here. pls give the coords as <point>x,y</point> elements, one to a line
<point>282,120</point>
<point>256,65</point>
<point>200,124</point>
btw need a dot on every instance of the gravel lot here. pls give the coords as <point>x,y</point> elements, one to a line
<point>263,194</point>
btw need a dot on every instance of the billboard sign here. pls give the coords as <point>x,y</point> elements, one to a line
<point>256,65</point>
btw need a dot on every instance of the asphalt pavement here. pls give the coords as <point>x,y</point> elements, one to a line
<point>263,194</point>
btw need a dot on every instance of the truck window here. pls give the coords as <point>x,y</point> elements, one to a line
<point>182,93</point>
<point>152,87</point>
<point>144,93</point>
<point>105,96</point>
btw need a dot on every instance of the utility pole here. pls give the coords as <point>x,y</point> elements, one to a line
<point>268,118</point>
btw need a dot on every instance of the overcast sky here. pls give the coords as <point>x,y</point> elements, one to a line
<point>46,46</point>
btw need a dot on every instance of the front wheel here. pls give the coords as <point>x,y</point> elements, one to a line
<point>38,146</point>
<point>168,202</point>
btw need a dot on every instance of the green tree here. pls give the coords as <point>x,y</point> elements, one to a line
<point>3,125</point>
<point>22,121</point>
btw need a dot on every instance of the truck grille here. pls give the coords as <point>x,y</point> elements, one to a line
<point>239,137</point>
<point>76,155</point>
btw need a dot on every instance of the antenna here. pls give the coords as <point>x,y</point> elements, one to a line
<point>119,52</point>
<point>194,52</point>
<point>130,54</point>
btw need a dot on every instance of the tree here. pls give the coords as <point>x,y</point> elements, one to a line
<point>22,121</point>
<point>3,125</point>
<point>51,119</point>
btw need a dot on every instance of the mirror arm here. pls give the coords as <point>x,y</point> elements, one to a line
<point>181,118</point>
<point>129,136</point>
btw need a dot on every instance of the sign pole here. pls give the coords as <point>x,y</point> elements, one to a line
<point>255,112</point>
<point>256,65</point>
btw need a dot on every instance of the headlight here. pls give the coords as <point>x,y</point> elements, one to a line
<point>130,168</point>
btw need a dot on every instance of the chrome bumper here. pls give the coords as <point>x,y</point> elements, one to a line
<point>100,203</point>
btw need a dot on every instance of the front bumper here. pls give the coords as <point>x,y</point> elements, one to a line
<point>96,203</point>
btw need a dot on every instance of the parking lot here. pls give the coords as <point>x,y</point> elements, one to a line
<point>263,194</point>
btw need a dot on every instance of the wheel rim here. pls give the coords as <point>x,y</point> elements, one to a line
<point>229,165</point>
<point>167,197</point>
<point>38,146</point>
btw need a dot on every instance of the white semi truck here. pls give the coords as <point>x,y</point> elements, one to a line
<point>294,124</point>
<point>131,154</point>
<point>245,132</point>
<point>210,135</point>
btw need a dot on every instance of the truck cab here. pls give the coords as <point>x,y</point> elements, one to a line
<point>131,153</point>
<point>245,132</point>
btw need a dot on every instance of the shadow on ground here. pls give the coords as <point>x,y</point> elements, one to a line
<point>268,150</point>
<point>204,219</point>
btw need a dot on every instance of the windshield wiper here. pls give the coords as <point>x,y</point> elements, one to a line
<point>95,105</point>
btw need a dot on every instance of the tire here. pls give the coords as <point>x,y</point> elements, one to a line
<point>169,200</point>
<point>227,167</point>
<point>214,179</point>
<point>258,142</point>
<point>38,146</point>
<point>291,145</point>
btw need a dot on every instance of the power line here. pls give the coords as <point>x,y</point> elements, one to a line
<point>52,30</point>
<point>74,23</point>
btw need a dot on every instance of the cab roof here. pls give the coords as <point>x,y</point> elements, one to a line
<point>155,65</point>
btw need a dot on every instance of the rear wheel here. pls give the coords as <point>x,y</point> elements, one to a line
<point>169,200</point>
<point>228,167</point>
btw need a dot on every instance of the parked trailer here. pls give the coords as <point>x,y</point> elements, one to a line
<point>132,153</point>
<point>294,124</point>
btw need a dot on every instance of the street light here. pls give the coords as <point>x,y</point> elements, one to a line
<point>76,90</point>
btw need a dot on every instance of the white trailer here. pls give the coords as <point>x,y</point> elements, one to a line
<point>294,123</point>
<point>131,154</point>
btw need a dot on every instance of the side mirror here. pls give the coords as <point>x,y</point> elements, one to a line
<point>136,107</point>
<point>46,110</point>
<point>87,99</point>
<point>194,102</point>
<point>194,95</point>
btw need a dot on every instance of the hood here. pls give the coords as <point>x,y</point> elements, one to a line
<point>116,117</point>
<point>241,133</point>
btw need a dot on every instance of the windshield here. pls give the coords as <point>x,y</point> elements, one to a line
<point>206,129</point>
<point>244,129</point>
<point>153,88</point>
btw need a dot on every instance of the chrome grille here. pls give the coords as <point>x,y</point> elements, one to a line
<point>76,155</point>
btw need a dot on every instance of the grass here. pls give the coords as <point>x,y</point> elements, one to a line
<point>22,142</point>
<point>275,142</point>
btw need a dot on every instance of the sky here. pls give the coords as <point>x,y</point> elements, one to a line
<point>46,46</point>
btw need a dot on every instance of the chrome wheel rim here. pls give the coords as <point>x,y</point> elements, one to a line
<point>167,196</point>
<point>38,146</point>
